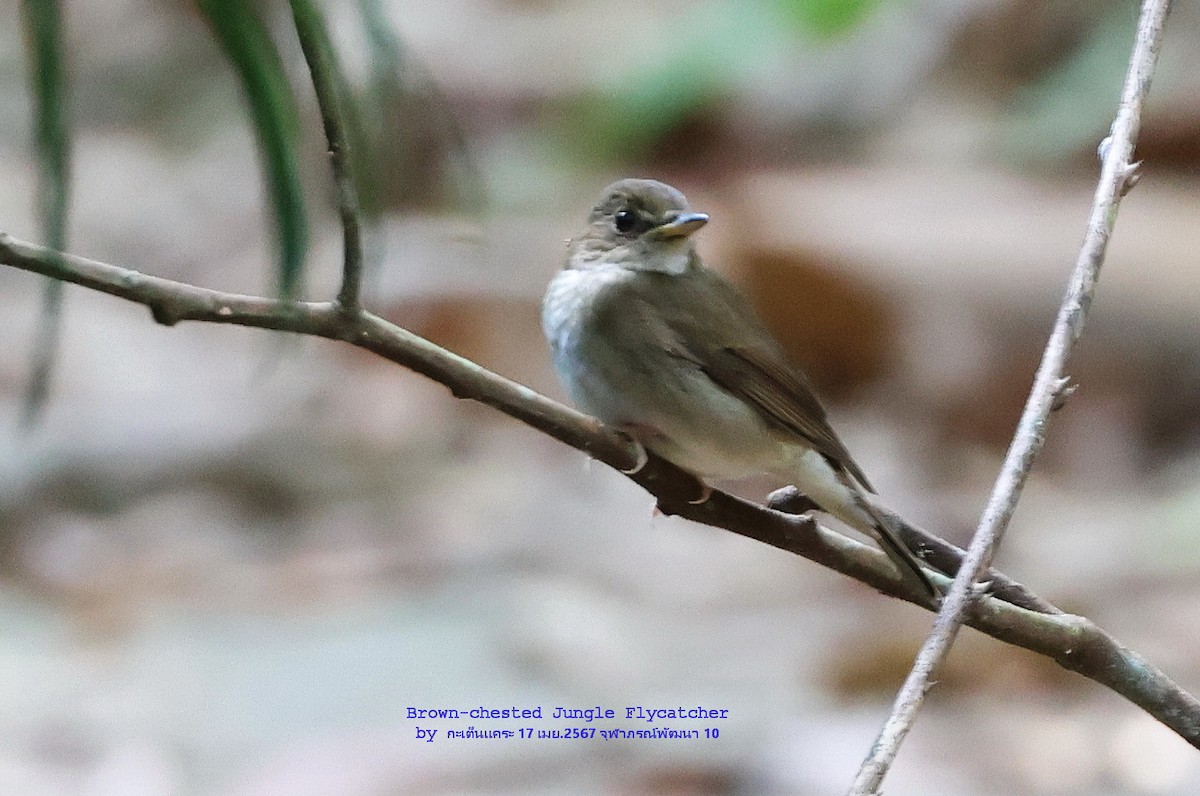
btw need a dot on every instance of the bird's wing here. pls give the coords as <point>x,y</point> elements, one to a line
<point>783,396</point>
<point>745,361</point>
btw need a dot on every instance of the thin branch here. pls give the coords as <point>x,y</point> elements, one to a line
<point>1116,178</point>
<point>1072,641</point>
<point>314,41</point>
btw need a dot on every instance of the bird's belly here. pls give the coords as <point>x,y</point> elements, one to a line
<point>709,434</point>
<point>712,434</point>
<point>665,402</point>
<point>697,426</point>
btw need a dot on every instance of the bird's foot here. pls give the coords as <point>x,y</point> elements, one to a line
<point>982,588</point>
<point>642,458</point>
<point>790,500</point>
<point>705,493</point>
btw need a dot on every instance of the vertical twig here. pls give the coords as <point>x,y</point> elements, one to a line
<point>1116,178</point>
<point>43,23</point>
<point>318,52</point>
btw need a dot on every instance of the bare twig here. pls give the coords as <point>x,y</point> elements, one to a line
<point>1115,179</point>
<point>1072,641</point>
<point>318,52</point>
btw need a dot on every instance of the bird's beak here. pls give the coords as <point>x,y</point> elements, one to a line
<point>680,226</point>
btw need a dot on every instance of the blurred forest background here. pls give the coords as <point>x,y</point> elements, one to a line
<point>229,562</point>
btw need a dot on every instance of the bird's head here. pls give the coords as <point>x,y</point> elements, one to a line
<point>641,225</point>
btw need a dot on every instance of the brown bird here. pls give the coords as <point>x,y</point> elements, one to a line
<point>648,340</point>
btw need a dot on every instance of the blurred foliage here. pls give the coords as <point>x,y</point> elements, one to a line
<point>717,47</point>
<point>398,129</point>
<point>405,147</point>
<point>43,25</point>
<point>247,44</point>
<point>828,18</point>
<point>412,150</point>
<point>1069,109</point>
<point>43,33</point>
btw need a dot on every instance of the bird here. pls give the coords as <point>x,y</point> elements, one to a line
<point>650,341</point>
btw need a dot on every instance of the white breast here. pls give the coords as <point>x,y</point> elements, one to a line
<point>566,297</point>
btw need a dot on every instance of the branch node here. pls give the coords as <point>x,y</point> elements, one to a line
<point>1062,389</point>
<point>350,312</point>
<point>790,500</point>
<point>1130,174</point>
<point>163,314</point>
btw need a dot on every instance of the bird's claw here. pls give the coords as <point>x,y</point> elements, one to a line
<point>642,458</point>
<point>705,493</point>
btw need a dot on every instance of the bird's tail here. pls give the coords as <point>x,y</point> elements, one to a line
<point>836,492</point>
<point>905,560</point>
<point>883,529</point>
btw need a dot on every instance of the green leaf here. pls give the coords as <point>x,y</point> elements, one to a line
<point>43,33</point>
<point>272,105</point>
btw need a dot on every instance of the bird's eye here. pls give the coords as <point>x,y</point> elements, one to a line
<point>624,220</point>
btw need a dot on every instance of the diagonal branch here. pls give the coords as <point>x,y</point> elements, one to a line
<point>1072,641</point>
<point>1116,177</point>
